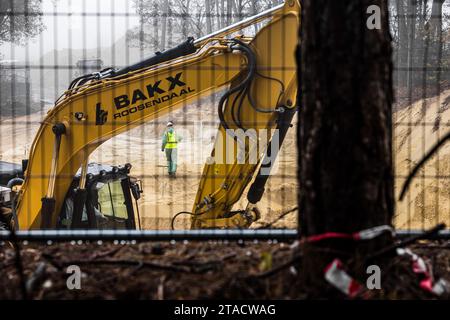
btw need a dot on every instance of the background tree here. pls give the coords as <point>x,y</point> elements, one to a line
<point>208,16</point>
<point>169,22</point>
<point>412,6</point>
<point>345,131</point>
<point>419,29</point>
<point>20,20</point>
<point>434,34</point>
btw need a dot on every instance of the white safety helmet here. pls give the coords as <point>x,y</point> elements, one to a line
<point>170,124</point>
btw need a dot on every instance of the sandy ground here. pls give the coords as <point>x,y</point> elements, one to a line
<point>415,131</point>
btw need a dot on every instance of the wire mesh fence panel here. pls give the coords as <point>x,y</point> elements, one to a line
<point>420,31</point>
<point>114,111</point>
<point>135,119</point>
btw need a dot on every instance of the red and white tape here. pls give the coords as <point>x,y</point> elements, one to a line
<point>365,234</point>
<point>336,276</point>
<point>374,232</point>
<point>334,272</point>
<point>339,278</point>
<point>419,266</point>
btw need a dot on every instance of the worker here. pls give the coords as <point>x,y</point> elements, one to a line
<point>169,145</point>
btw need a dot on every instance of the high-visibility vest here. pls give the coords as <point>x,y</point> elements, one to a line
<point>171,140</point>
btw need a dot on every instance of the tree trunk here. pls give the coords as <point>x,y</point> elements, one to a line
<point>402,54</point>
<point>229,12</point>
<point>208,16</point>
<point>345,131</point>
<point>155,28</point>
<point>436,18</point>
<point>169,22</point>
<point>435,43</point>
<point>254,8</point>
<point>164,24</point>
<point>237,8</point>
<point>185,20</point>
<point>411,37</point>
<point>422,42</point>
<point>219,24</point>
<point>223,14</point>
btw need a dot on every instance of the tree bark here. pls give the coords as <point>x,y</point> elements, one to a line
<point>345,131</point>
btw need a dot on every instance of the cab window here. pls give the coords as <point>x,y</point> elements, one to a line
<point>111,200</point>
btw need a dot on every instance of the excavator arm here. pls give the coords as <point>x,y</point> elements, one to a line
<point>259,71</point>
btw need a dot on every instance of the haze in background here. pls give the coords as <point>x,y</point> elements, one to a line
<point>76,32</point>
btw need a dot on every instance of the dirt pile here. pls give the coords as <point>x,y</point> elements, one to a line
<point>416,129</point>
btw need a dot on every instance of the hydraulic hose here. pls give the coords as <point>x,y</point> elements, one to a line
<point>243,89</point>
<point>247,80</point>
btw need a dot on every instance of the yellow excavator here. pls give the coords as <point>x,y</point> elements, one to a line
<point>58,188</point>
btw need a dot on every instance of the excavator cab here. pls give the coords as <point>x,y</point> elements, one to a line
<point>111,201</point>
<point>111,197</point>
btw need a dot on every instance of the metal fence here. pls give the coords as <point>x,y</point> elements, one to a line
<point>60,41</point>
<point>54,42</point>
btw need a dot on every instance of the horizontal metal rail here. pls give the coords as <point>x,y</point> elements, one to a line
<point>443,234</point>
<point>177,235</point>
<point>150,235</point>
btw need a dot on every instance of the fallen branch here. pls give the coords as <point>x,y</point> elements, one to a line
<point>203,266</point>
<point>106,253</point>
<point>36,277</point>
<point>140,264</point>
